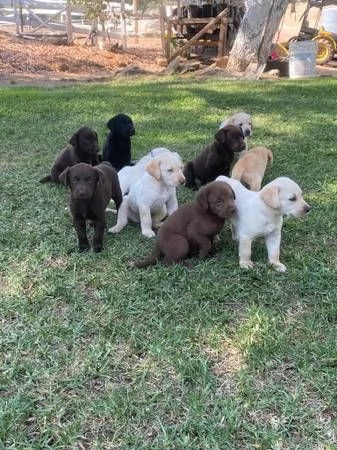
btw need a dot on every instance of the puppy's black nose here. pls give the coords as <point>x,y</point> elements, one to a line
<point>307,208</point>
<point>247,133</point>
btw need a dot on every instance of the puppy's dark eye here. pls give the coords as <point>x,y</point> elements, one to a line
<point>293,198</point>
<point>240,124</point>
<point>219,202</point>
<point>88,179</point>
<point>170,170</point>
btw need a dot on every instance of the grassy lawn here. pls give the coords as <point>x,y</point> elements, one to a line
<point>97,356</point>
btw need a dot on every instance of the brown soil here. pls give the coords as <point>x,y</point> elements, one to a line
<point>31,60</point>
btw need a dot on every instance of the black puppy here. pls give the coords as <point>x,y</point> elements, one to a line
<point>117,148</point>
<point>82,147</point>
<point>216,158</point>
<point>91,190</point>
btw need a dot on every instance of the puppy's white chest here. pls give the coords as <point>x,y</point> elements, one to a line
<point>158,201</point>
<point>268,228</point>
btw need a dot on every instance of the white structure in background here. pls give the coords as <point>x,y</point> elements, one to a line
<point>329,18</point>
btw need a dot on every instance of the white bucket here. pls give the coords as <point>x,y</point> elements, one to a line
<point>329,18</point>
<point>302,59</point>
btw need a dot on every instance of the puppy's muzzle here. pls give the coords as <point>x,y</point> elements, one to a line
<point>93,150</point>
<point>81,194</point>
<point>247,132</point>
<point>228,211</point>
<point>306,208</point>
<point>182,180</point>
<point>231,210</point>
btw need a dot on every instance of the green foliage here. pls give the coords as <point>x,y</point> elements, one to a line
<point>96,355</point>
<point>93,9</point>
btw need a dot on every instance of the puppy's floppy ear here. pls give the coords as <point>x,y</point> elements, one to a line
<point>63,177</point>
<point>202,197</point>
<point>230,187</point>
<point>153,168</point>
<point>101,176</point>
<point>111,124</point>
<point>221,136</point>
<point>74,139</point>
<point>270,195</point>
<point>270,156</point>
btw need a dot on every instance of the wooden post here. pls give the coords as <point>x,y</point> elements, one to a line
<point>222,38</point>
<point>17,18</point>
<point>136,18</point>
<point>168,40</point>
<point>162,17</point>
<point>179,27</point>
<point>123,25</point>
<point>69,25</point>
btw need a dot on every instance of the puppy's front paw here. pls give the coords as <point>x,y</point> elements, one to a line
<point>246,264</point>
<point>111,210</point>
<point>279,267</point>
<point>148,233</point>
<point>114,229</point>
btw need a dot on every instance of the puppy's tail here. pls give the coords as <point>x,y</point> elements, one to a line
<point>45,179</point>
<point>149,261</point>
<point>189,175</point>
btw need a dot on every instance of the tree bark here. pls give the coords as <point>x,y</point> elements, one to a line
<point>256,32</point>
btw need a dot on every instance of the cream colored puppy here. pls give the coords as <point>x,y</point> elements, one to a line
<point>261,214</point>
<point>251,167</point>
<point>242,120</point>
<point>153,196</point>
<point>129,175</point>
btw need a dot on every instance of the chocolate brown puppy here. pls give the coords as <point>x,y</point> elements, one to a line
<point>91,190</point>
<point>193,226</point>
<point>216,158</point>
<point>82,147</point>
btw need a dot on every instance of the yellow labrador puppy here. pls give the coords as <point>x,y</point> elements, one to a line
<point>261,214</point>
<point>251,167</point>
<point>153,196</point>
<point>129,175</point>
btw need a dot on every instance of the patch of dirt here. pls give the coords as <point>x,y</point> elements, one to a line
<point>30,60</point>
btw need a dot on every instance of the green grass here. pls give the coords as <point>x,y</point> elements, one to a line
<point>97,356</point>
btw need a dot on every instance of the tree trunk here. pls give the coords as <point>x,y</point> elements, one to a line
<point>256,32</point>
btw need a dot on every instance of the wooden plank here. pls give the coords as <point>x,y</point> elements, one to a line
<point>196,21</point>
